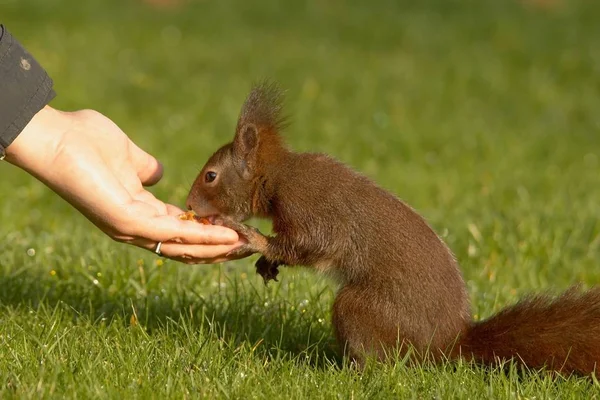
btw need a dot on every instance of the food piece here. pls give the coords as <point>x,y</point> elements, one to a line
<point>187,216</point>
<point>191,216</point>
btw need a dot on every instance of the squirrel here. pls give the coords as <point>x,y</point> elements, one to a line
<point>401,286</point>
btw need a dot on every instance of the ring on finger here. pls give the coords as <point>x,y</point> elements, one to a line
<point>157,249</point>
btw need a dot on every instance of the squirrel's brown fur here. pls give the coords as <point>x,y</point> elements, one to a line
<point>400,284</point>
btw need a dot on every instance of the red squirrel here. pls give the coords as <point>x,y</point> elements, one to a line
<point>400,283</point>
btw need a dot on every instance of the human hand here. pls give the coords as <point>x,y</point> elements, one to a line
<point>91,163</point>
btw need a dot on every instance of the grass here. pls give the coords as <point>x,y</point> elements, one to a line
<point>483,115</point>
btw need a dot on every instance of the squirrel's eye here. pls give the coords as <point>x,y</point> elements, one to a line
<point>210,176</point>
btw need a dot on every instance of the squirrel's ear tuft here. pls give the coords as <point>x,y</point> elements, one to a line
<point>259,125</point>
<point>263,108</point>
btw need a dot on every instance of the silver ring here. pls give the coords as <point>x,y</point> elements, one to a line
<point>157,250</point>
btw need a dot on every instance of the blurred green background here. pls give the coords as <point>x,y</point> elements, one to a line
<point>482,115</point>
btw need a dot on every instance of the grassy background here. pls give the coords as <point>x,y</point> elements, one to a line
<point>483,115</point>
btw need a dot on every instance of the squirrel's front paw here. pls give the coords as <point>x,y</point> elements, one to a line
<point>257,242</point>
<point>243,251</point>
<point>230,223</point>
<point>267,269</point>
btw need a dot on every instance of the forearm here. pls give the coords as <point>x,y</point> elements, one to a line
<point>25,89</point>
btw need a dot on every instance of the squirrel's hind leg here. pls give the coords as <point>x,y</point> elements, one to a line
<point>365,329</point>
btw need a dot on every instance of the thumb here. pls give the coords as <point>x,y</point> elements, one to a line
<point>148,168</point>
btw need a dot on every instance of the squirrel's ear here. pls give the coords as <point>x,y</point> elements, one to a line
<point>245,146</point>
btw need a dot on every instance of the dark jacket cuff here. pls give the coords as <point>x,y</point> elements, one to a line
<point>25,88</point>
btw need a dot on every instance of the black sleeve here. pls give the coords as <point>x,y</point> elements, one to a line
<point>25,88</point>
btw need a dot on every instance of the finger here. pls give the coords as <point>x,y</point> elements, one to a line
<point>148,198</point>
<point>196,261</point>
<point>196,253</point>
<point>174,210</point>
<point>149,170</point>
<point>169,228</point>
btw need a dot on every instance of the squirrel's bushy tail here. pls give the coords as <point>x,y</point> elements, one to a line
<point>561,334</point>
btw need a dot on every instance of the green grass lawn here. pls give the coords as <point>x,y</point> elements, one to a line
<point>483,115</point>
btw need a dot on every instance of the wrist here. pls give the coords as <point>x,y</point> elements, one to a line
<point>36,146</point>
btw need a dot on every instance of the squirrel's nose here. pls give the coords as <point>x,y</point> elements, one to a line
<point>188,202</point>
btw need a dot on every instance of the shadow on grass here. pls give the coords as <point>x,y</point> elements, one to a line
<point>236,316</point>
